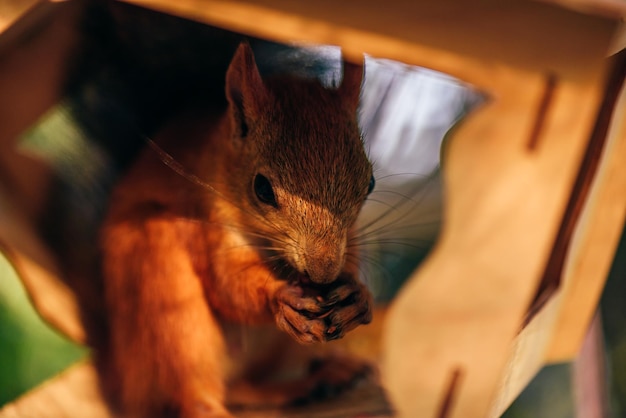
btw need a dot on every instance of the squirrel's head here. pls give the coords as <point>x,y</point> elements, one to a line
<point>299,156</point>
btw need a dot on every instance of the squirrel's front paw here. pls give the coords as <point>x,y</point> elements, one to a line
<point>315,314</point>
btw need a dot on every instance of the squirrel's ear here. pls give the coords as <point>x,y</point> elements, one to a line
<point>350,88</point>
<point>244,89</point>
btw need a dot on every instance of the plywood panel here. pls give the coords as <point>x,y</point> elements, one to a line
<point>457,318</point>
<point>597,235</point>
<point>467,39</point>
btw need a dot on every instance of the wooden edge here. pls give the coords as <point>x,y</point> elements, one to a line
<point>28,19</point>
<point>595,240</point>
<point>527,355</point>
<point>619,41</point>
<point>456,321</point>
<point>72,393</point>
<point>75,393</point>
<point>33,54</point>
<point>53,300</point>
<point>11,12</point>
<point>585,177</point>
<point>281,26</point>
<point>301,22</point>
<point>33,58</point>
<point>533,344</point>
<point>610,8</point>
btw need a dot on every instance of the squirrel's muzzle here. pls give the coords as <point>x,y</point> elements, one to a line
<point>324,263</point>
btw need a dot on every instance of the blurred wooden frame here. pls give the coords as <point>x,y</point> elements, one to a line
<point>534,179</point>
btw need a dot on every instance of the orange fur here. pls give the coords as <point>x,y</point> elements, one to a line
<point>182,262</point>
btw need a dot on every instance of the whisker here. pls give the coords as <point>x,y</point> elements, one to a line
<point>368,275</point>
<point>387,231</point>
<point>423,189</point>
<point>415,246</point>
<point>171,162</point>
<point>276,238</point>
<point>367,235</point>
<point>179,169</point>
<point>250,245</point>
<point>394,192</point>
<point>390,175</point>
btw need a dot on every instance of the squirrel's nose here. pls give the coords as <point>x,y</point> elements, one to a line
<point>324,263</point>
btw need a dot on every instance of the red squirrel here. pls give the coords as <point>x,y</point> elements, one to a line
<point>256,229</point>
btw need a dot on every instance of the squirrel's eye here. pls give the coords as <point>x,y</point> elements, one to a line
<point>263,190</point>
<point>370,188</point>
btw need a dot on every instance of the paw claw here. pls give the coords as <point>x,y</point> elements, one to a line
<point>309,317</point>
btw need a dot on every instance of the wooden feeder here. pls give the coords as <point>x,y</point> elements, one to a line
<point>534,180</point>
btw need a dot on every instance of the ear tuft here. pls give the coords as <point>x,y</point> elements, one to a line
<point>245,91</point>
<point>350,88</point>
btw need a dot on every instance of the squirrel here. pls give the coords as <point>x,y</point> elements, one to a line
<point>233,219</point>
